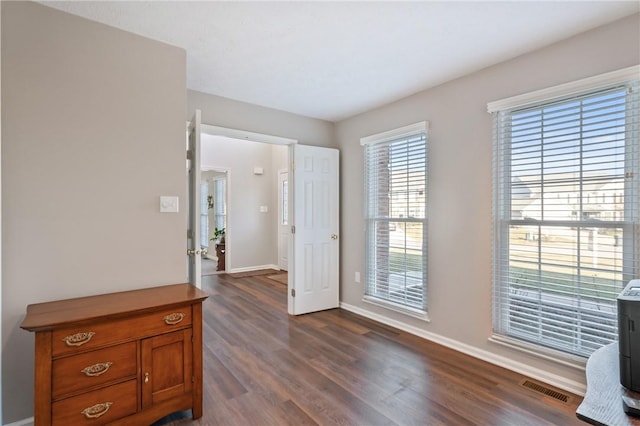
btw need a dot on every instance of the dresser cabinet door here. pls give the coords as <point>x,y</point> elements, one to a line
<point>167,367</point>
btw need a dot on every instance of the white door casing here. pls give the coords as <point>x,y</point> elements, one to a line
<point>284,228</point>
<point>314,261</point>
<point>194,251</point>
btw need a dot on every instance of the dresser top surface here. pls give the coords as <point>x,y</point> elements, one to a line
<point>60,313</point>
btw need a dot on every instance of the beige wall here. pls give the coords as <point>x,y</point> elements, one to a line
<point>223,112</point>
<point>460,182</point>
<point>93,132</point>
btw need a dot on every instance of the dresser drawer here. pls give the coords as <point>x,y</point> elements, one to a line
<point>79,339</point>
<point>97,407</point>
<point>83,371</point>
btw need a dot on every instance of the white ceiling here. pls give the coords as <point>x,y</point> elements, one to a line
<point>332,60</point>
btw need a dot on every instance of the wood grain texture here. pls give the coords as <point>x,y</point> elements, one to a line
<point>108,331</point>
<point>197,360</point>
<point>602,403</point>
<point>122,399</point>
<point>168,361</point>
<point>43,367</point>
<point>264,367</point>
<point>69,376</point>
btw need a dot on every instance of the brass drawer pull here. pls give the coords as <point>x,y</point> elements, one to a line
<point>97,410</point>
<point>174,318</point>
<point>96,369</point>
<point>78,339</point>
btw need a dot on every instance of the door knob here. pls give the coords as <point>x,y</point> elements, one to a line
<point>205,251</point>
<point>191,252</point>
<point>334,237</point>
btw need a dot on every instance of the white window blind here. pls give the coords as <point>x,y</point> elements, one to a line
<point>566,216</point>
<point>396,217</point>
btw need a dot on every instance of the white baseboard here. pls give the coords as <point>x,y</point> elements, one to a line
<point>23,422</point>
<point>501,361</point>
<point>252,268</point>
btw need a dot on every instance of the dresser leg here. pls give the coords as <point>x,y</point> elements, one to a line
<point>197,361</point>
<point>43,367</point>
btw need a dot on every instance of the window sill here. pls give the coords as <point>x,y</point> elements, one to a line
<point>558,357</point>
<point>412,312</point>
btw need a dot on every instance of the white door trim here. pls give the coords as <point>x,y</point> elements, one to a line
<point>243,134</point>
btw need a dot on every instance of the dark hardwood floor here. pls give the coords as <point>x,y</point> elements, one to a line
<point>263,367</point>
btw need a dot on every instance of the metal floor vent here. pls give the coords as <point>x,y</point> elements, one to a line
<point>546,391</point>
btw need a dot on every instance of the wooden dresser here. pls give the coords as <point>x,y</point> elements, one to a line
<point>125,358</point>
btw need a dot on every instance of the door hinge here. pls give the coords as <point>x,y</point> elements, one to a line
<point>293,292</point>
<point>189,154</point>
<point>293,166</point>
<point>628,175</point>
<point>293,229</point>
<point>189,233</point>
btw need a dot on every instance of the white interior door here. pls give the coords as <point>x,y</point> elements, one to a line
<point>284,229</point>
<point>194,251</point>
<point>314,268</point>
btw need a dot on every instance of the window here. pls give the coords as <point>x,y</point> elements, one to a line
<point>566,219</point>
<point>396,218</point>
<point>204,222</point>
<point>219,202</point>
<point>284,207</point>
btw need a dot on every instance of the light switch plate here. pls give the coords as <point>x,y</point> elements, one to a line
<point>264,209</point>
<point>168,204</point>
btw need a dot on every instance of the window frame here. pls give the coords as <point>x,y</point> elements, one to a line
<point>502,202</point>
<point>407,134</point>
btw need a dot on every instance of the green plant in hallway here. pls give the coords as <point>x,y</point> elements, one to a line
<point>218,235</point>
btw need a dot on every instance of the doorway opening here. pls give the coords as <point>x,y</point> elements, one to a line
<point>255,237</point>
<point>312,211</point>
